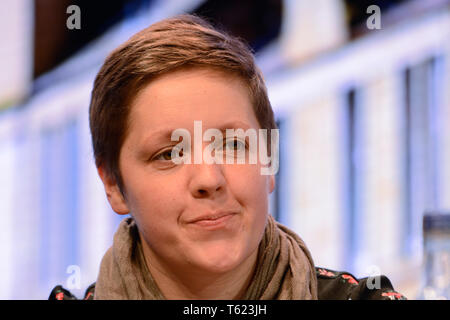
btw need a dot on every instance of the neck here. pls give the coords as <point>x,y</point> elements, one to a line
<point>184,284</point>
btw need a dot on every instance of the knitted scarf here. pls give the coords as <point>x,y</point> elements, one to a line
<point>284,270</point>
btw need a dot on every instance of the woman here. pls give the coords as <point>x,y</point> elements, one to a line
<point>198,229</point>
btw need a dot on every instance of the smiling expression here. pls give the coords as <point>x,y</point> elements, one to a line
<point>206,217</point>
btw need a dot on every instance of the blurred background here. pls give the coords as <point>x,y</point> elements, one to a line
<point>362,99</point>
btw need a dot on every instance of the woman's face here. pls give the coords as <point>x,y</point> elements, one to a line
<point>206,217</point>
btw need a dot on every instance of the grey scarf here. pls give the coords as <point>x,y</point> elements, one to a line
<point>284,270</point>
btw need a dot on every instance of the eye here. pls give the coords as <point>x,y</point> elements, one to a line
<point>166,155</point>
<point>235,145</point>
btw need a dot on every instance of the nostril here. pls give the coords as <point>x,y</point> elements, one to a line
<point>207,192</point>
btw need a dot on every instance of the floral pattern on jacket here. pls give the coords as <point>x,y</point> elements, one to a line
<point>332,285</point>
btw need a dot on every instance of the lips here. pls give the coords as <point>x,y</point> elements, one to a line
<point>213,220</point>
<point>211,217</point>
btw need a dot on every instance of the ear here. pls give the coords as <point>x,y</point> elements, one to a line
<point>115,197</point>
<point>271,183</point>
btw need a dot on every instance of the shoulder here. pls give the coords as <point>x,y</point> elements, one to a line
<point>59,293</point>
<point>332,285</point>
<point>338,285</point>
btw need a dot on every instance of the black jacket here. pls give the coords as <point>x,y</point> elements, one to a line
<point>332,285</point>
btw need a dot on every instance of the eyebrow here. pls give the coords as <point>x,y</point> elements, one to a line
<point>166,134</point>
<point>159,135</point>
<point>235,125</point>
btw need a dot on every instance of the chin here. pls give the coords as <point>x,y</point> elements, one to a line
<point>220,269</point>
<point>220,261</point>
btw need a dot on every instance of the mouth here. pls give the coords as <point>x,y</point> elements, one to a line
<point>213,221</point>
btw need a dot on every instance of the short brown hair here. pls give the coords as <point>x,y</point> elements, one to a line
<point>173,43</point>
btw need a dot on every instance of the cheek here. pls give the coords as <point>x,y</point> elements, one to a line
<point>156,208</point>
<point>248,185</point>
<point>155,200</point>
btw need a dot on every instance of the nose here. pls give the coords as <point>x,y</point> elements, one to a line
<point>207,180</point>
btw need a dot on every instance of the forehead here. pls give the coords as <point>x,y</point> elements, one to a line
<point>177,99</point>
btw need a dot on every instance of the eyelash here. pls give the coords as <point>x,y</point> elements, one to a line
<point>226,142</point>
<point>244,143</point>
<point>162,153</point>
